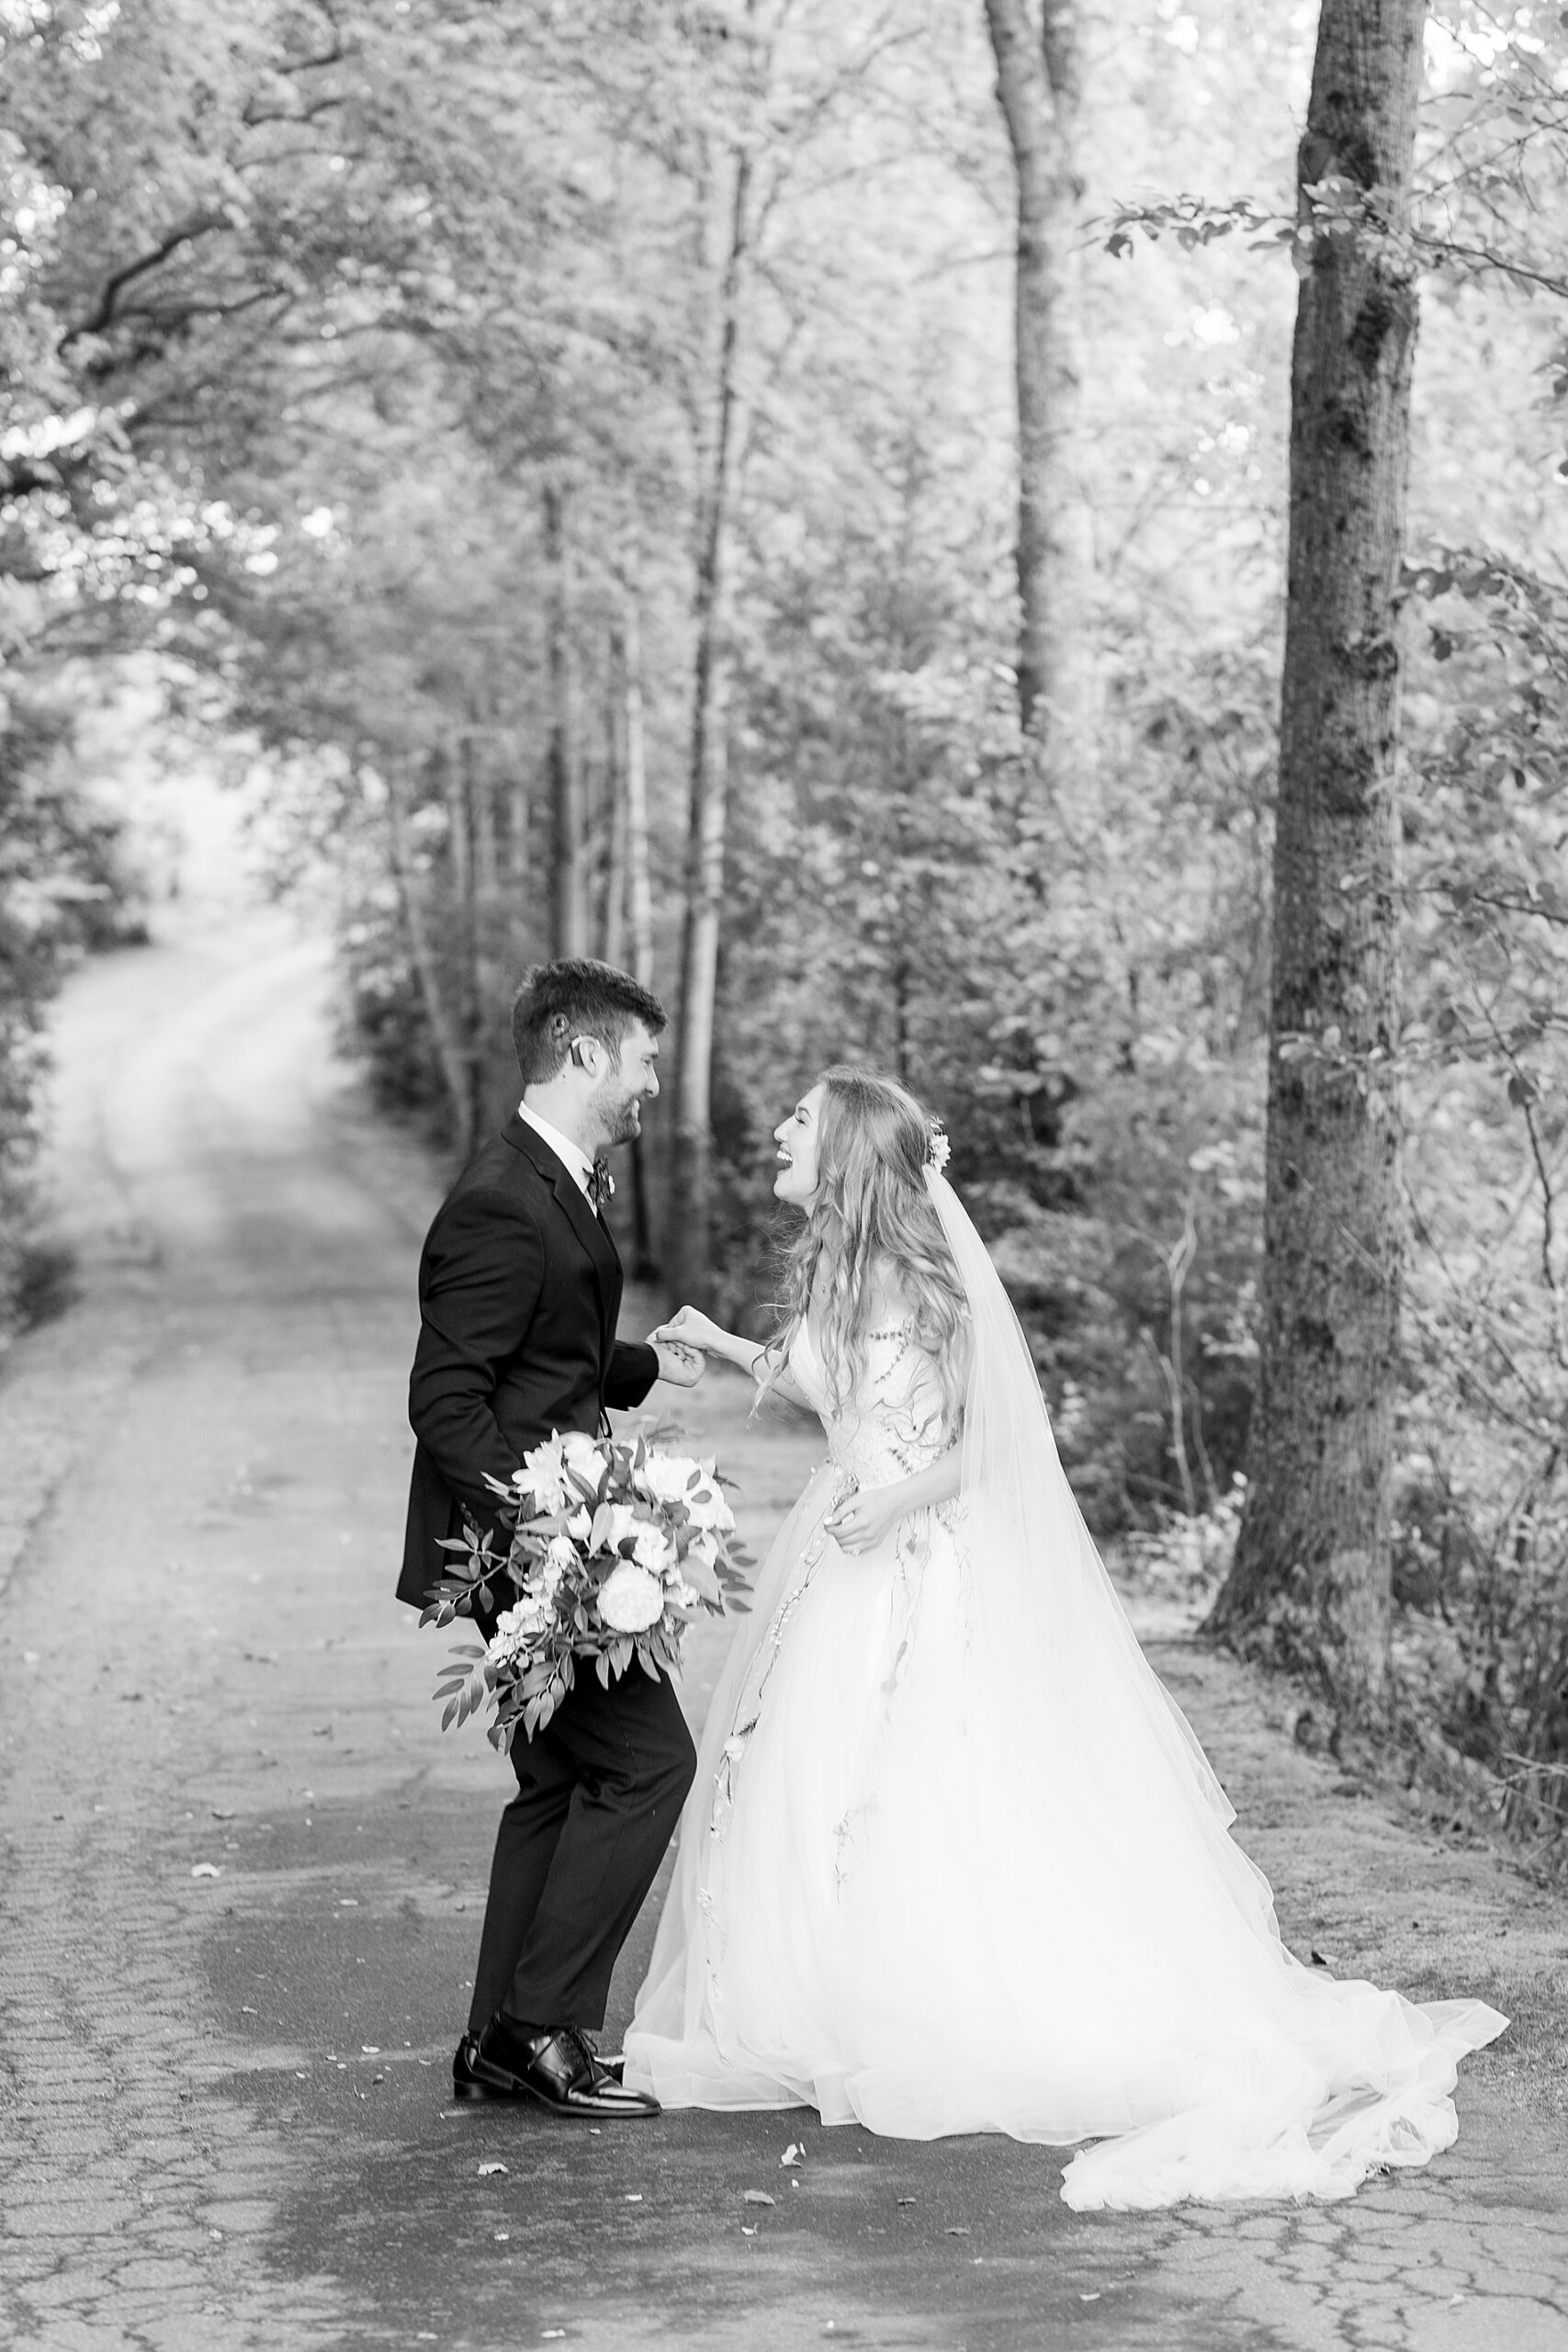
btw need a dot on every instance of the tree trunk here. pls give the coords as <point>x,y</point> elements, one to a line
<point>569,853</point>
<point>691,1227</point>
<point>1037,86</point>
<point>1310,1588</point>
<point>445,1029</point>
<point>494,1086</point>
<point>614,936</point>
<point>466,1000</point>
<point>639,886</point>
<point>640,883</point>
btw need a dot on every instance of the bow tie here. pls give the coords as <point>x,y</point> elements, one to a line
<point>601,1184</point>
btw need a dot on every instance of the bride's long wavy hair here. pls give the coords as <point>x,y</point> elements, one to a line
<point>872,1207</point>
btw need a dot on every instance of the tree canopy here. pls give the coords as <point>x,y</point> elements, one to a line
<point>485,414</point>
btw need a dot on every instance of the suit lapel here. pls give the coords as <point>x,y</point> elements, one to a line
<point>577,1210</point>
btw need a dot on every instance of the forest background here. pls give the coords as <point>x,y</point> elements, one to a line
<point>563,464</point>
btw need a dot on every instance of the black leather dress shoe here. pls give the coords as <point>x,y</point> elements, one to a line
<point>559,2070</point>
<point>472,2078</point>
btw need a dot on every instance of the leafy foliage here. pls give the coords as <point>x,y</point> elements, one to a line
<point>310,311</point>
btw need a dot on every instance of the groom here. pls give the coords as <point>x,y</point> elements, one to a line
<point>519,1287</point>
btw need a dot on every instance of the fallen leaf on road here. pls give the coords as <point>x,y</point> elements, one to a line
<point>748,2230</point>
<point>1317,1958</point>
<point>207,1869</point>
<point>793,2154</point>
<point>246,2010</point>
<point>492,2166</point>
<point>634,2197</point>
<point>906,2200</point>
<point>371,2050</point>
<point>501,2236</point>
<point>959,2233</point>
<point>758,2197</point>
<point>1093,2297</point>
<point>348,1903</point>
<point>220,1813</point>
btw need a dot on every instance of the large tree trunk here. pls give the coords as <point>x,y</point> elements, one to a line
<point>1310,1588</point>
<point>691,1226</point>
<point>1038,87</point>
<point>569,853</point>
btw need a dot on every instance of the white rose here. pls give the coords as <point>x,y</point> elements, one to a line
<point>544,1470</point>
<point>705,1504</point>
<point>630,1598</point>
<point>664,1478</point>
<point>616,1521</point>
<point>579,1526</point>
<point>653,1550</point>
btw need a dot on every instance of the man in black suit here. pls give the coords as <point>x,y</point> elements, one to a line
<point>519,1289</point>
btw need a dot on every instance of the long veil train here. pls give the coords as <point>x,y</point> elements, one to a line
<point>1109,1954</point>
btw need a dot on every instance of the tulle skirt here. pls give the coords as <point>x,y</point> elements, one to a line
<point>894,1906</point>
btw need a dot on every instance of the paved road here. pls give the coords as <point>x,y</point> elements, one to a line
<point>242,1869</point>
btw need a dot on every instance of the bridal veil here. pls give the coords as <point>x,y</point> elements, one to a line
<point>1041,1924</point>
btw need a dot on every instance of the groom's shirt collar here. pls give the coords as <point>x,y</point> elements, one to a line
<point>578,1163</point>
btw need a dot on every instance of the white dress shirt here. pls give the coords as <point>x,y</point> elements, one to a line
<point>578,1163</point>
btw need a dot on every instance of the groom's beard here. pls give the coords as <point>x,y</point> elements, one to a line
<point>622,1120</point>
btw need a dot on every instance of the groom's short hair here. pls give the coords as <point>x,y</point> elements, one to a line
<point>576,997</point>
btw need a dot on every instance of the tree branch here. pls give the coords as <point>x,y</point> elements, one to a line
<point>201,225</point>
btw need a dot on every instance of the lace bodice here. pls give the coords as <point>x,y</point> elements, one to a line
<point>893,1425</point>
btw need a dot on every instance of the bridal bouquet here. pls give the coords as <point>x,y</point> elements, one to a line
<point>613,1550</point>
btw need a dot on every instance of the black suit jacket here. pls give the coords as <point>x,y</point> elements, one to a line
<point>519,1288</point>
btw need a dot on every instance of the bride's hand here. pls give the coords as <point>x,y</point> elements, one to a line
<point>688,1328</point>
<point>864,1519</point>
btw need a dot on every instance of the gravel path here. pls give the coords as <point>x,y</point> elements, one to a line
<point>242,1869</point>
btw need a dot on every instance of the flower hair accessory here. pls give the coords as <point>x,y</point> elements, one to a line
<point>939,1150</point>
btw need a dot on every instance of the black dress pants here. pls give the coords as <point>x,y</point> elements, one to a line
<point>599,1793</point>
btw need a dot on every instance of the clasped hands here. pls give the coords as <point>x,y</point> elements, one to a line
<point>682,1346</point>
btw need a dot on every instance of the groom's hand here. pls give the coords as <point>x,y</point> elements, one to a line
<point>688,1328</point>
<point>681,1365</point>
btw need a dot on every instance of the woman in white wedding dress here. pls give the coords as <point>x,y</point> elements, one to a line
<point>954,1860</point>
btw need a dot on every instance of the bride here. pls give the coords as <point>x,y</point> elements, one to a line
<point>954,1860</point>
